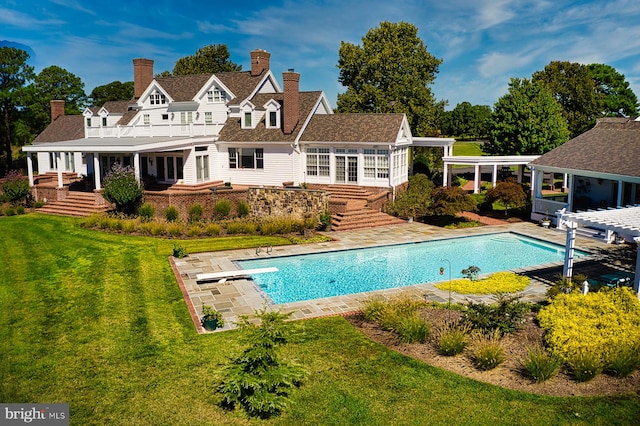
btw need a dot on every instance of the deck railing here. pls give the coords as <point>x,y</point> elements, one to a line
<point>151,130</point>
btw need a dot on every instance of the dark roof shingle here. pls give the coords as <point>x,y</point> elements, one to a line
<point>611,146</point>
<point>353,128</point>
<point>63,128</point>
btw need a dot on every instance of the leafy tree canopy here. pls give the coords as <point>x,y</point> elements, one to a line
<point>527,120</point>
<point>467,121</point>
<point>415,201</point>
<point>208,59</point>
<point>14,74</point>
<point>618,98</point>
<point>390,73</point>
<point>574,88</point>
<point>114,91</point>
<point>451,200</point>
<point>510,193</point>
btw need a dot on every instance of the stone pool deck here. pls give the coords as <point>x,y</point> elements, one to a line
<point>237,297</point>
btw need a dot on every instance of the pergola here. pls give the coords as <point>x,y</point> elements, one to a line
<point>624,221</point>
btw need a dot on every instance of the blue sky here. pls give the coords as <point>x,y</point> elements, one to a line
<point>482,43</point>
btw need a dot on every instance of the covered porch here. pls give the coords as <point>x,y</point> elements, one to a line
<point>624,222</point>
<point>497,163</point>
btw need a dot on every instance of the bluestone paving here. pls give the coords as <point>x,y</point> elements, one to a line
<point>240,297</point>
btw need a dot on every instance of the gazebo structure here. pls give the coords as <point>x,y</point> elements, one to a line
<point>625,222</point>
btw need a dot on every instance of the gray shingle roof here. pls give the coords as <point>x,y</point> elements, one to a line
<point>353,128</point>
<point>117,107</point>
<point>233,132</point>
<point>63,128</point>
<point>611,146</point>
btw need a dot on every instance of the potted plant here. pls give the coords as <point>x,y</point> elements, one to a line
<point>545,221</point>
<point>211,319</point>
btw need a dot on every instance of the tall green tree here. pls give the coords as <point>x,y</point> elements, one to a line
<point>114,91</point>
<point>527,120</point>
<point>390,73</point>
<point>14,74</point>
<point>52,83</point>
<point>574,88</point>
<point>618,98</point>
<point>467,121</point>
<point>208,59</point>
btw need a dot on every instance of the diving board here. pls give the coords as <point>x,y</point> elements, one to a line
<point>223,275</point>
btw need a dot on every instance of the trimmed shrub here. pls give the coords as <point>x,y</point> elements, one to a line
<point>15,187</point>
<point>171,214</point>
<point>10,211</point>
<point>598,324</point>
<point>195,212</point>
<point>243,209</point>
<point>20,210</point>
<point>146,212</point>
<point>506,316</point>
<point>399,316</point>
<point>540,365</point>
<point>222,208</point>
<point>213,229</point>
<point>121,188</point>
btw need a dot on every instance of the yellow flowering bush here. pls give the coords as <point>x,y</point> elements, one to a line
<point>500,282</point>
<point>600,324</point>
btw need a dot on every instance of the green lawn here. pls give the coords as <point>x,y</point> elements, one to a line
<point>467,148</point>
<point>97,320</point>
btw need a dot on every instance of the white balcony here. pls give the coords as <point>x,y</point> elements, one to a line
<point>148,131</point>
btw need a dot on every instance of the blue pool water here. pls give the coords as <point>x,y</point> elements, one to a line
<point>313,276</point>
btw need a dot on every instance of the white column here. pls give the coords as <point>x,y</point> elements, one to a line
<point>636,278</point>
<point>565,181</point>
<point>567,271</point>
<point>445,174</point>
<point>620,193</point>
<point>533,185</point>
<point>476,179</point>
<point>494,177</point>
<point>30,168</point>
<point>58,160</point>
<point>96,170</point>
<point>136,166</point>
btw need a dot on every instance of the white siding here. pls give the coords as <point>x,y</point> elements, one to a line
<point>189,170</point>
<point>278,167</point>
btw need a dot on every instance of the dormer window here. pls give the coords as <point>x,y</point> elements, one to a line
<point>88,121</point>
<point>216,95</point>
<point>104,121</point>
<point>157,98</point>
<point>247,120</point>
<point>272,116</point>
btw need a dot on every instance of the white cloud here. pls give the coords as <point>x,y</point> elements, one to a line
<point>73,4</point>
<point>22,20</point>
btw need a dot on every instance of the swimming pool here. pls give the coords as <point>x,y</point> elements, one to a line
<point>318,275</point>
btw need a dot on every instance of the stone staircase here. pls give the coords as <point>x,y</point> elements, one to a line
<point>356,214</point>
<point>77,204</point>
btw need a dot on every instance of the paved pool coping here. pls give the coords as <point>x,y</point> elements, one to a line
<point>239,297</point>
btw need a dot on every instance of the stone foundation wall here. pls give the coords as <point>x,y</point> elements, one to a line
<point>287,202</point>
<point>184,200</point>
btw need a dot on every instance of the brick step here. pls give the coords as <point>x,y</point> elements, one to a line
<point>362,218</point>
<point>77,204</point>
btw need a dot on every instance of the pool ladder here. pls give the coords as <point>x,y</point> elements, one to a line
<point>268,250</point>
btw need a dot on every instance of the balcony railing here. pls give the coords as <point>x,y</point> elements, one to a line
<point>548,207</point>
<point>150,130</point>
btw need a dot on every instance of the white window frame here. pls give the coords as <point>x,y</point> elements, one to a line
<point>239,158</point>
<point>208,117</point>
<point>318,162</point>
<point>216,96</point>
<point>157,98</point>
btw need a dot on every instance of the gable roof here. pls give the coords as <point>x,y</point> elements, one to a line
<point>63,128</point>
<point>233,131</point>
<point>117,107</point>
<point>353,128</point>
<point>183,88</point>
<point>611,146</point>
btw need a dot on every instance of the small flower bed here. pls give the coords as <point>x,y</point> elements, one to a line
<point>500,282</point>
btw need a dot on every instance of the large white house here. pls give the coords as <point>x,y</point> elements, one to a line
<point>238,127</point>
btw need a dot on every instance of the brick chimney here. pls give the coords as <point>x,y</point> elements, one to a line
<point>291,100</point>
<point>259,61</point>
<point>57,108</point>
<point>142,75</point>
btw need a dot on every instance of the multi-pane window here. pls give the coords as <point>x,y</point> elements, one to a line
<point>216,95</point>
<point>208,117</point>
<point>317,161</point>
<point>146,120</point>
<point>376,163</point>
<point>202,164</point>
<point>246,158</point>
<point>273,119</point>
<point>186,117</point>
<point>157,98</point>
